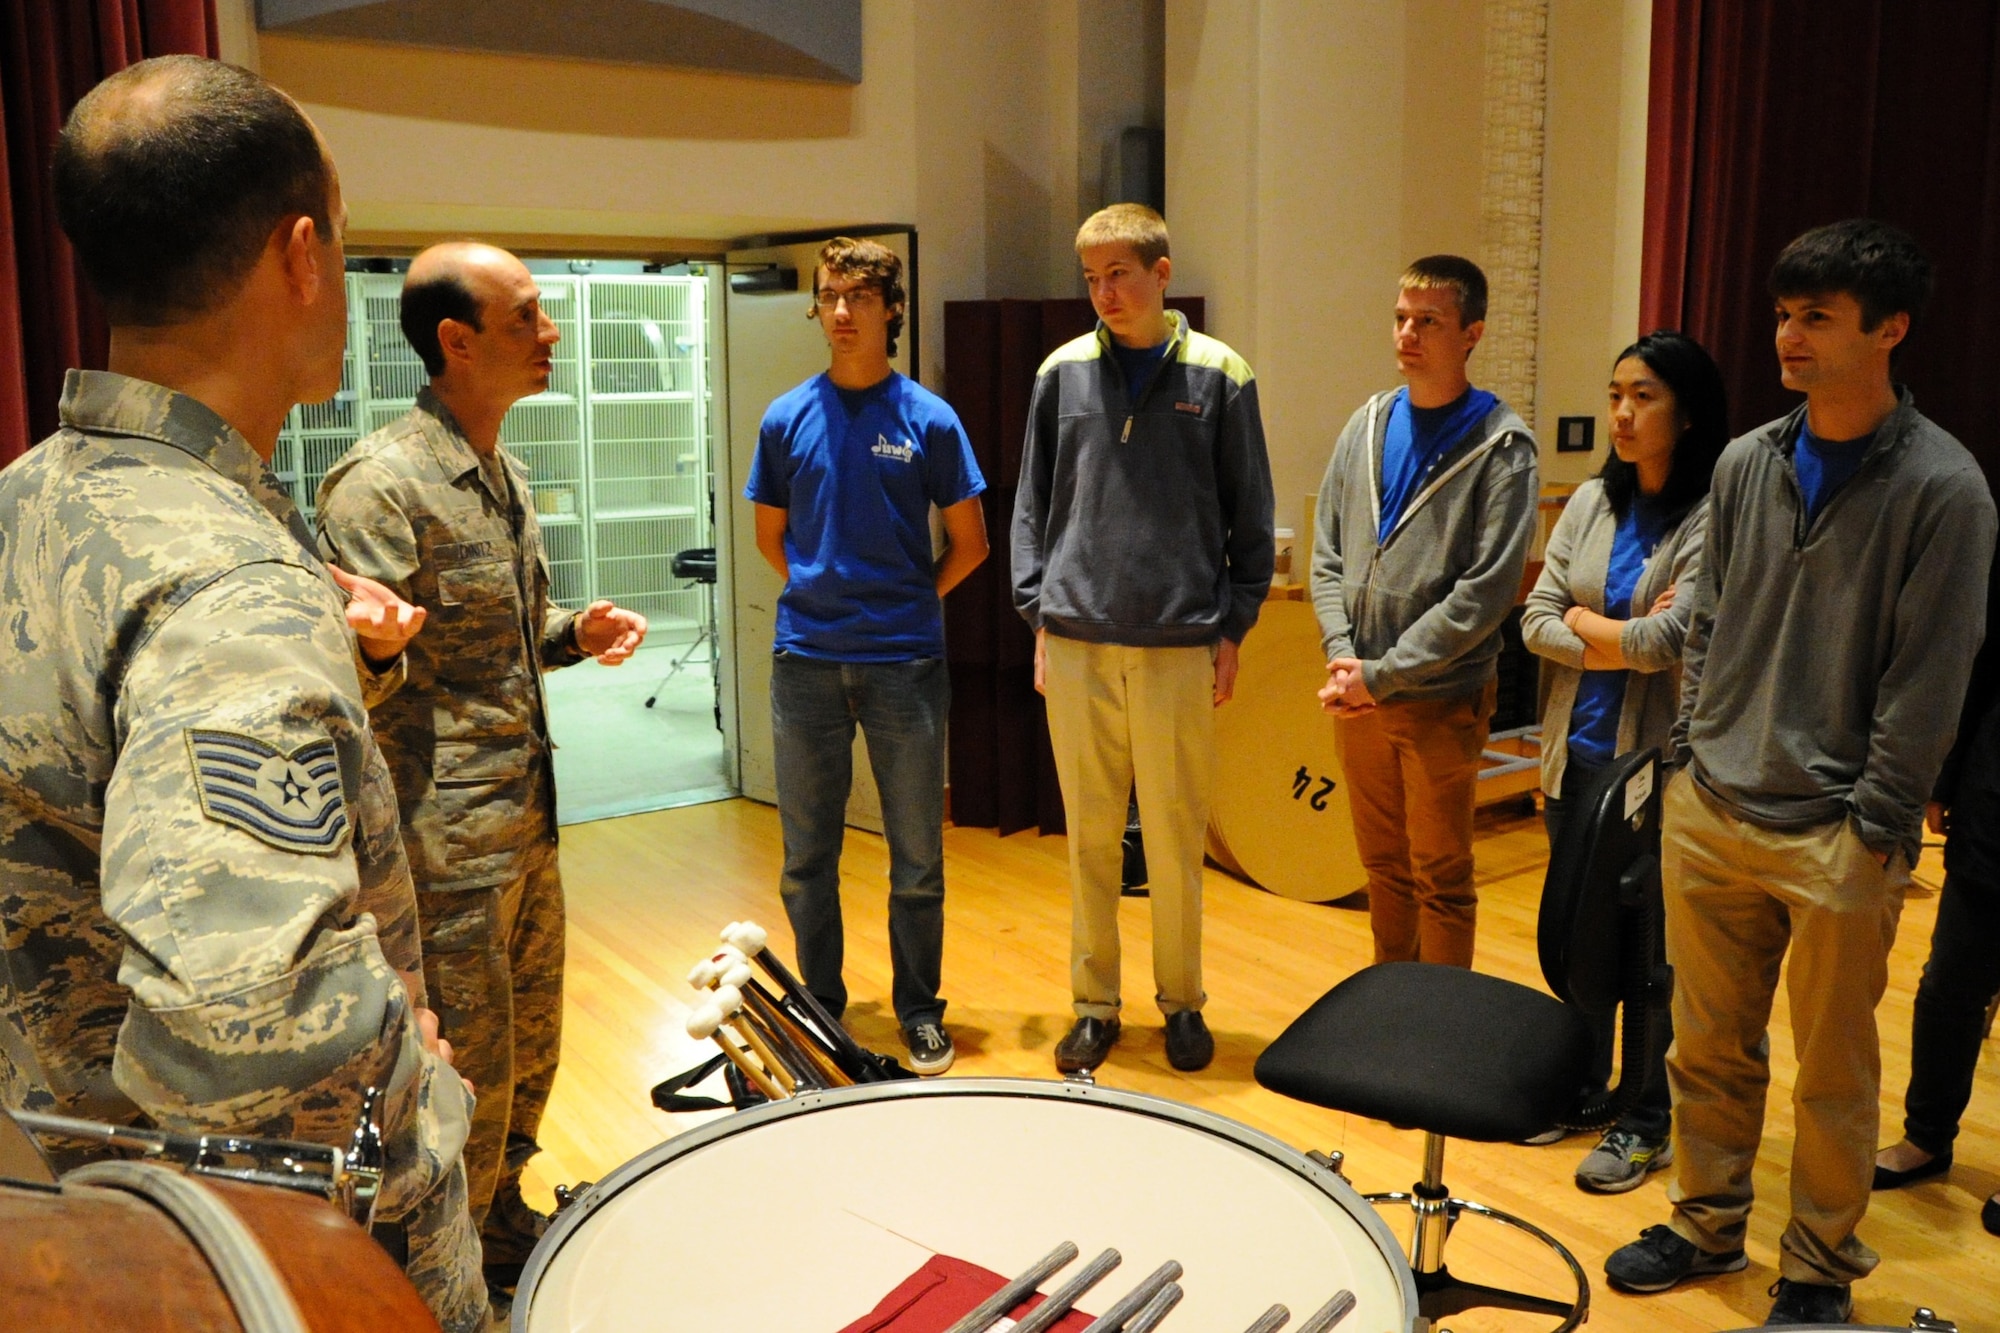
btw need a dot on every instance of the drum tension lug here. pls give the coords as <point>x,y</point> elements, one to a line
<point>1332,1161</point>
<point>569,1194</point>
<point>1926,1320</point>
<point>1085,1077</point>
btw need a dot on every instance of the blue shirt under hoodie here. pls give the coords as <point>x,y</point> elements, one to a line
<point>1824,466</point>
<point>1415,439</point>
<point>1600,695</point>
<point>856,472</point>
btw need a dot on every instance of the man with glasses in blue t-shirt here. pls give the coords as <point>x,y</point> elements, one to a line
<point>848,466</point>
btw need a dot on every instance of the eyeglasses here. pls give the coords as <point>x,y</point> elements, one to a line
<point>826,300</point>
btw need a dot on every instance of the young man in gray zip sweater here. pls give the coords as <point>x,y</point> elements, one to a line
<point>1142,553</point>
<point>1833,628</point>
<point>1422,534</point>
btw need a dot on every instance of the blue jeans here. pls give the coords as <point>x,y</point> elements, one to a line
<point>901,708</point>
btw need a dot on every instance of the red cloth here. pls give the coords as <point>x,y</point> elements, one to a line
<point>943,1292</point>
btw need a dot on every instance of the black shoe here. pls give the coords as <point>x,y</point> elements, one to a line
<point>1885,1179</point>
<point>1989,1215</point>
<point>1660,1258</point>
<point>1189,1047</point>
<point>1809,1303</point>
<point>511,1231</point>
<point>1088,1042</point>
<point>931,1051</point>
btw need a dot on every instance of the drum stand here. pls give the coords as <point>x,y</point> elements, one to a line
<point>1433,1214</point>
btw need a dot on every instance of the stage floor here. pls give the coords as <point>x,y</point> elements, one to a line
<point>648,894</point>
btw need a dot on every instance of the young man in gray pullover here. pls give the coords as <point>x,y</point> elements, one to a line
<point>1422,533</point>
<point>1833,628</point>
<point>1141,557</point>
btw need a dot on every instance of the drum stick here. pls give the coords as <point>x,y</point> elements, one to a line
<point>730,1001</point>
<point>1156,1309</point>
<point>816,1047</point>
<point>1329,1314</point>
<point>752,939</point>
<point>990,1311</point>
<point>1271,1320</point>
<point>706,1023</point>
<point>792,1040</point>
<point>1114,1319</point>
<point>1044,1316</point>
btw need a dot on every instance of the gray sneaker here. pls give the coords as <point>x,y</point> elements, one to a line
<point>931,1051</point>
<point>1621,1161</point>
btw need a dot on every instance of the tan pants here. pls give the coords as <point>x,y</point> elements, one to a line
<point>1116,715</point>
<point>1412,771</point>
<point>1737,895</point>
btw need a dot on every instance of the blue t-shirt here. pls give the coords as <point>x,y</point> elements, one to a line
<point>1824,466</point>
<point>857,485</point>
<point>1413,441</point>
<point>1138,363</point>
<point>1600,695</point>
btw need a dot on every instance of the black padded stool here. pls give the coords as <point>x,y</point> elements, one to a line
<point>1459,1054</point>
<point>697,566</point>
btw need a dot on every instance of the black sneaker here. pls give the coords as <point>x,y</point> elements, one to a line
<point>1189,1047</point>
<point>1660,1258</point>
<point>1088,1042</point>
<point>931,1051</point>
<point>1809,1303</point>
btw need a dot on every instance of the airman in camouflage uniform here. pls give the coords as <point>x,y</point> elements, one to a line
<point>206,918</point>
<point>433,507</point>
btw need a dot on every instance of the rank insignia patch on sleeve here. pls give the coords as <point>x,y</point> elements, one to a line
<point>292,801</point>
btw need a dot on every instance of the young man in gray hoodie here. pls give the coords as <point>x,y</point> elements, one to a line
<point>1833,628</point>
<point>1422,534</point>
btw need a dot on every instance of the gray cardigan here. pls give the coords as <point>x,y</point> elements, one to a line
<point>1423,609</point>
<point>1575,566</point>
<point>1825,662</point>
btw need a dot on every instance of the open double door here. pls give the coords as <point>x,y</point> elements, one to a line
<point>771,343</point>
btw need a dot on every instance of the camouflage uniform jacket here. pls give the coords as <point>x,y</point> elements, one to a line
<point>467,734</point>
<point>204,903</point>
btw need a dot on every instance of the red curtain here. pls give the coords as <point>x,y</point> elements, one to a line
<point>51,53</point>
<point>1772,116</point>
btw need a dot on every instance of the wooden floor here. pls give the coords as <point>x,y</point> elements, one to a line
<point>648,893</point>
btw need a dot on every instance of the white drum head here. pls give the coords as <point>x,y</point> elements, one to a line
<point>805,1213</point>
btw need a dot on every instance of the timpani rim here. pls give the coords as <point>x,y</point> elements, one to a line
<point>1325,1179</point>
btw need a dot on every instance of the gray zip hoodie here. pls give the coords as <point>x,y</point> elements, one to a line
<point>1825,664</point>
<point>1422,610</point>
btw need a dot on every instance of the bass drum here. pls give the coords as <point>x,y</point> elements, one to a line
<point>804,1213</point>
<point>135,1247</point>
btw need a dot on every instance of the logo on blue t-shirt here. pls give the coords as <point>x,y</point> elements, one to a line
<point>906,452</point>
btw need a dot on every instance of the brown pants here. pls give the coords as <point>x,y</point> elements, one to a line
<point>1737,895</point>
<point>1412,769</point>
<point>1120,716</point>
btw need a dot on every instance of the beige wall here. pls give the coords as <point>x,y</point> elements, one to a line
<point>1592,212</point>
<point>1312,150</point>
<point>981,123</point>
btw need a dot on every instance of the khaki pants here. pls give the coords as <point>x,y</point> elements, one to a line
<point>1737,895</point>
<point>1119,715</point>
<point>1412,771</point>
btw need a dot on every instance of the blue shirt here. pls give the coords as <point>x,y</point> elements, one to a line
<point>1415,439</point>
<point>857,486</point>
<point>1138,363</point>
<point>1824,466</point>
<point>1600,695</point>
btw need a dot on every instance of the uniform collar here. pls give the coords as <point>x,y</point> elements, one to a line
<point>454,453</point>
<point>98,402</point>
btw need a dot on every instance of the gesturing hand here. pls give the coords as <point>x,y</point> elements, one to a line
<point>610,633</point>
<point>384,622</point>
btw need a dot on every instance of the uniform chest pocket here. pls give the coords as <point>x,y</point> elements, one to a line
<point>476,582</point>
